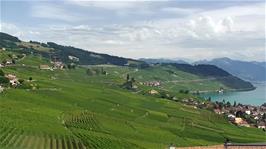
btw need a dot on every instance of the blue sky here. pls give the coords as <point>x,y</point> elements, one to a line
<point>152,29</point>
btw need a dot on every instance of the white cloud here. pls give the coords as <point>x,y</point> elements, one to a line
<point>54,12</point>
<point>106,4</point>
<point>235,32</point>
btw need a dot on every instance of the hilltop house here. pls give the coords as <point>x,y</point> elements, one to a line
<point>58,65</point>
<point>73,58</point>
<point>12,80</point>
<point>44,67</point>
<point>153,92</point>
<point>152,83</point>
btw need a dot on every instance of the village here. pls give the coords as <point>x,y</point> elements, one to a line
<point>8,80</point>
<point>238,114</point>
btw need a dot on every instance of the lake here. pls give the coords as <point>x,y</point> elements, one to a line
<point>255,97</point>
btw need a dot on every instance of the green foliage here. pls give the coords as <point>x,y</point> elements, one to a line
<point>4,80</point>
<point>2,72</point>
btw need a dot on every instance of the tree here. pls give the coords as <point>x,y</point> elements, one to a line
<point>20,81</point>
<point>4,80</point>
<point>4,61</point>
<point>128,77</point>
<point>30,78</point>
<point>234,103</point>
<point>2,72</point>
<point>209,99</point>
<point>228,104</point>
<point>133,80</point>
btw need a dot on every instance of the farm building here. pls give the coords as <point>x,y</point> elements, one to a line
<point>12,79</point>
<point>153,92</point>
<point>44,67</point>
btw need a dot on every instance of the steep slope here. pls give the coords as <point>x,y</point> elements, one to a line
<point>246,70</point>
<point>63,53</point>
<point>214,72</point>
<point>70,109</point>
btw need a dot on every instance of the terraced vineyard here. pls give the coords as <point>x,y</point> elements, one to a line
<point>14,138</point>
<point>72,110</point>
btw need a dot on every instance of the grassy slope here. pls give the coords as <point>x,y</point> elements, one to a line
<point>172,79</point>
<point>72,107</point>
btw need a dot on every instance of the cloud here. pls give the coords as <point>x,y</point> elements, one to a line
<point>152,30</point>
<point>54,12</point>
<point>107,4</point>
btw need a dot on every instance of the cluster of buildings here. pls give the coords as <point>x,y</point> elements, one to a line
<point>245,115</point>
<point>13,81</point>
<point>55,65</point>
<point>151,83</point>
<point>240,115</point>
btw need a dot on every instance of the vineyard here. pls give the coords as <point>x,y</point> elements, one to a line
<point>72,110</point>
<point>14,138</point>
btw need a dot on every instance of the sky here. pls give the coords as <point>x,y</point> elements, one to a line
<point>190,30</point>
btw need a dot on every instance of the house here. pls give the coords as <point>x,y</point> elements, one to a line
<point>153,92</point>
<point>1,65</point>
<point>12,80</point>
<point>238,120</point>
<point>231,117</point>
<point>58,65</point>
<point>8,62</point>
<point>244,124</point>
<point>248,112</point>
<point>11,76</point>
<point>217,111</point>
<point>44,67</point>
<point>73,58</point>
<point>262,125</point>
<point>2,49</point>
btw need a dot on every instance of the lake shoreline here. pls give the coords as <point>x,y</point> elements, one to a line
<point>244,96</point>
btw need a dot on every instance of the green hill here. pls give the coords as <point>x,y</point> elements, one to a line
<point>70,109</point>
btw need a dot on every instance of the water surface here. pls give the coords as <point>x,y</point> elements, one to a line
<point>255,97</point>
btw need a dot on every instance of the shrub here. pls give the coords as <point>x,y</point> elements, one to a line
<point>4,80</point>
<point>2,72</point>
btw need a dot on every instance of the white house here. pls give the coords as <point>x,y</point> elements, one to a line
<point>248,112</point>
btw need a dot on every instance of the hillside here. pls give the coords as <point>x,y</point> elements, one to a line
<point>213,71</point>
<point>214,76</point>
<point>66,54</point>
<point>90,107</point>
<point>253,71</point>
<point>70,109</point>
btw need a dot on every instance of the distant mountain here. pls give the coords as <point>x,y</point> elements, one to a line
<point>252,71</point>
<point>52,50</point>
<point>219,74</point>
<point>162,60</point>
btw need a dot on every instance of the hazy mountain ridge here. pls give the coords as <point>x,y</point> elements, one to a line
<point>162,60</point>
<point>252,71</point>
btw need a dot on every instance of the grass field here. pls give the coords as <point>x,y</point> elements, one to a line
<point>72,110</point>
